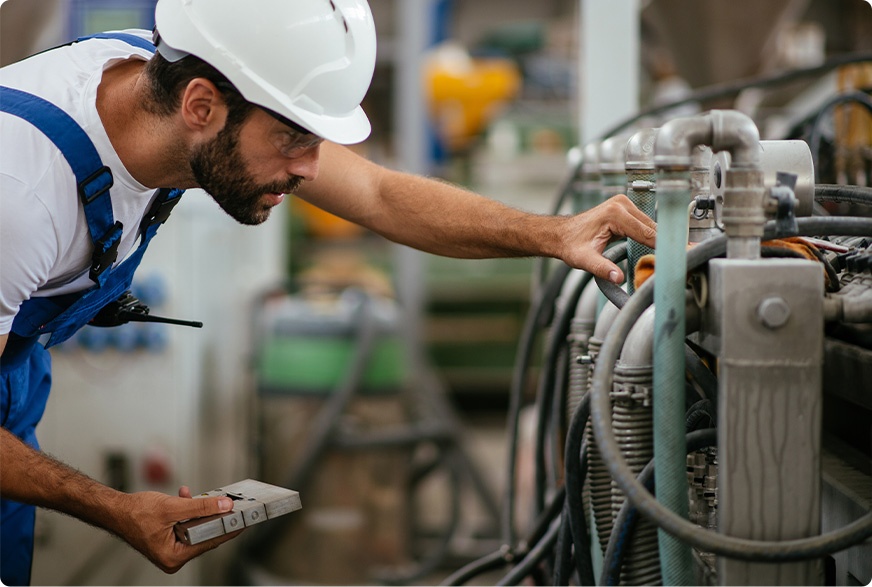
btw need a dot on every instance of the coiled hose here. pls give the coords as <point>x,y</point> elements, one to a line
<point>739,548</point>
<point>627,516</point>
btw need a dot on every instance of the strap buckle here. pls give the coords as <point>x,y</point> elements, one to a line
<point>105,251</point>
<point>95,185</point>
<point>159,212</point>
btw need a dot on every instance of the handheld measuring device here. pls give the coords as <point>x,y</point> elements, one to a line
<point>253,502</point>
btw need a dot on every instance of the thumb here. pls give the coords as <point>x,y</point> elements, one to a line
<point>209,506</point>
<point>605,269</point>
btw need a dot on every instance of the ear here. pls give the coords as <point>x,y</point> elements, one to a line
<point>203,108</point>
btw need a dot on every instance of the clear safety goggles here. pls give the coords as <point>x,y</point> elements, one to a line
<point>289,138</point>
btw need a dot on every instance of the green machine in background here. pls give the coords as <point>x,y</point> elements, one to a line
<point>306,343</point>
<point>330,371</point>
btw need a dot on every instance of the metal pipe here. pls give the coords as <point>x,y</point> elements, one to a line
<point>674,158</point>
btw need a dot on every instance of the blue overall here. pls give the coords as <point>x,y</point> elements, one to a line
<point>25,366</point>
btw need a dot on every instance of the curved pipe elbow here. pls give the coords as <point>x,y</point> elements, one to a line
<point>640,150</point>
<point>735,132</point>
<point>638,349</point>
<point>676,139</point>
<point>722,130</point>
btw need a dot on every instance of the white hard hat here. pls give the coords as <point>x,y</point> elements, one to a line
<point>310,61</point>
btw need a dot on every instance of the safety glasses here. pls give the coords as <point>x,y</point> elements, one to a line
<point>289,138</point>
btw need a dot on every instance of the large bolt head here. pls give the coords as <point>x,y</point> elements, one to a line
<point>773,312</point>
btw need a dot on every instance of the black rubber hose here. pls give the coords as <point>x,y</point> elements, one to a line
<point>556,341</point>
<point>544,519</point>
<point>472,570</point>
<point>725,90</point>
<point>699,412</point>
<point>575,463</point>
<point>712,92</point>
<point>814,140</point>
<point>534,557</point>
<point>619,297</point>
<point>563,555</point>
<point>507,555</point>
<point>557,422</point>
<point>740,548</point>
<point>434,558</point>
<point>535,321</point>
<point>613,292</point>
<point>625,522</point>
<point>843,194</point>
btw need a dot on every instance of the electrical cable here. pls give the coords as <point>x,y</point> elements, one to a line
<point>506,555</point>
<point>727,89</point>
<point>563,555</point>
<point>486,563</point>
<point>434,557</point>
<point>705,94</point>
<point>575,464</point>
<point>740,548</point>
<point>557,422</point>
<point>814,140</point>
<point>833,284</point>
<point>625,522</point>
<point>536,319</point>
<point>534,557</point>
<point>557,340</point>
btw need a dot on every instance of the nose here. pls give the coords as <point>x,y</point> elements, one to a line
<point>306,165</point>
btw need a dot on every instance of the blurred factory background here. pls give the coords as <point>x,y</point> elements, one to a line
<point>374,379</point>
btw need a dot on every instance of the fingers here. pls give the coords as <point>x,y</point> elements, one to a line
<point>605,269</point>
<point>632,222</point>
<point>185,491</point>
<point>198,549</point>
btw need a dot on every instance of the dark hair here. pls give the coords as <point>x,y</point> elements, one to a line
<point>167,80</point>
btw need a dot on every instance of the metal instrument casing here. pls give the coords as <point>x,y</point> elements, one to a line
<point>253,502</point>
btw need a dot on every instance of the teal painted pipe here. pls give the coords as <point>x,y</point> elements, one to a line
<point>670,462</point>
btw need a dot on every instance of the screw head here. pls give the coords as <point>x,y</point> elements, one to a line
<point>773,312</point>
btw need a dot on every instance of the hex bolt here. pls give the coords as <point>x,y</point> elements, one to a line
<point>773,312</point>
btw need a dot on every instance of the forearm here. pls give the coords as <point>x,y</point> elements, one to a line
<point>444,219</point>
<point>427,214</point>
<point>33,477</point>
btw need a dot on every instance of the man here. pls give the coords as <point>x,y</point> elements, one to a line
<point>249,101</point>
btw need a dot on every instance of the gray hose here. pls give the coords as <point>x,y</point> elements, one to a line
<point>843,194</point>
<point>739,548</point>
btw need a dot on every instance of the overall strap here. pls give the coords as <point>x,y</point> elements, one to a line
<point>93,179</point>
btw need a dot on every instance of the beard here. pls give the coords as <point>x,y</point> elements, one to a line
<point>219,169</point>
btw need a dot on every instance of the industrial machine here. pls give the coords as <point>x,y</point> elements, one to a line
<point>736,363</point>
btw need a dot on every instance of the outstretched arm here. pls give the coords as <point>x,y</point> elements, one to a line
<point>144,520</point>
<point>444,219</point>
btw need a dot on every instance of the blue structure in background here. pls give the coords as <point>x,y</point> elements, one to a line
<point>95,16</point>
<point>133,336</point>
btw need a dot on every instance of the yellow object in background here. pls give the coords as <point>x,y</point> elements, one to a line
<point>322,224</point>
<point>467,93</point>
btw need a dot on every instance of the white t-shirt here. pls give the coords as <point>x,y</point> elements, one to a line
<point>45,246</point>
